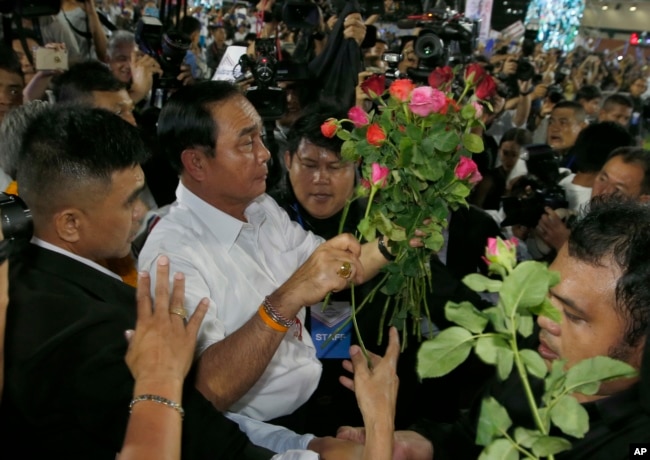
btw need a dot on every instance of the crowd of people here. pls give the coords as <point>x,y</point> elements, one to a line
<point>166,304</point>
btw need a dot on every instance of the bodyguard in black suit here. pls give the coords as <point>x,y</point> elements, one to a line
<point>67,387</point>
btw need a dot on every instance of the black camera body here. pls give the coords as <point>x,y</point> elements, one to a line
<point>445,38</point>
<point>538,189</point>
<point>168,48</point>
<point>16,218</point>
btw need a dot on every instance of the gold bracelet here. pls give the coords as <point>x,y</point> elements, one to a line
<point>269,321</point>
<point>157,399</point>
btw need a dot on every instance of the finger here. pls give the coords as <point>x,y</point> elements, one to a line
<point>346,242</point>
<point>143,296</point>
<point>392,351</point>
<point>347,382</point>
<point>347,365</point>
<point>197,317</point>
<point>128,335</point>
<point>162,283</point>
<point>177,297</point>
<point>358,361</point>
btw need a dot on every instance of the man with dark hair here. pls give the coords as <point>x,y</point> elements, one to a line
<point>617,108</point>
<point>240,249</point>
<point>604,300</point>
<point>589,96</point>
<point>92,83</point>
<point>592,148</point>
<point>12,81</point>
<point>567,119</point>
<point>626,173</point>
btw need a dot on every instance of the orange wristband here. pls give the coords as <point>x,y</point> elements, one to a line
<point>269,321</point>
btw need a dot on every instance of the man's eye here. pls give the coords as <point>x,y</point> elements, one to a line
<point>571,317</point>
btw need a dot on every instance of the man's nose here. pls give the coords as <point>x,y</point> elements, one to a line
<point>549,325</point>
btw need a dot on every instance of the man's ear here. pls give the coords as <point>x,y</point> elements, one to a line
<point>68,224</point>
<point>193,162</point>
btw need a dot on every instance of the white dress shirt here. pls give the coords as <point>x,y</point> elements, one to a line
<point>236,264</point>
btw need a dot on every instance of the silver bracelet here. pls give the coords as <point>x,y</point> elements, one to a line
<point>276,315</point>
<point>157,399</point>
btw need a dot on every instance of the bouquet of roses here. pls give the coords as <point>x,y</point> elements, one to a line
<point>415,153</point>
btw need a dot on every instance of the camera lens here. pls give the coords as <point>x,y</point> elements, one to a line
<point>428,46</point>
<point>15,216</point>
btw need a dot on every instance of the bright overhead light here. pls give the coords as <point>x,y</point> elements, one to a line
<point>633,8</point>
<point>605,7</point>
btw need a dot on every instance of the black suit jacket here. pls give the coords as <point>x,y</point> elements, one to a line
<point>67,386</point>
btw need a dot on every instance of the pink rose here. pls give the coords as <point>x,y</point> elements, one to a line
<point>401,89</point>
<point>467,170</point>
<point>358,116</point>
<point>379,175</point>
<point>328,128</point>
<point>479,109</point>
<point>375,135</point>
<point>502,252</point>
<point>426,100</point>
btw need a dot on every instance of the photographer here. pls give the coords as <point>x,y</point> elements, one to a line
<point>82,19</point>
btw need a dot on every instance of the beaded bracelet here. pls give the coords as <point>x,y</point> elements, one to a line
<point>157,399</point>
<point>384,250</point>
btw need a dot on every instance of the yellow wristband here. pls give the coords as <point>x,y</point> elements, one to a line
<point>269,321</point>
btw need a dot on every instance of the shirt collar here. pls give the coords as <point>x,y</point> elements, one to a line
<point>44,244</point>
<point>223,226</point>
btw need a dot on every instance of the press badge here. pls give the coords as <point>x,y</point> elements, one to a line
<point>328,340</point>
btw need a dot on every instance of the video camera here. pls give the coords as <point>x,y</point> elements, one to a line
<point>16,218</point>
<point>538,189</point>
<point>168,48</point>
<point>445,38</point>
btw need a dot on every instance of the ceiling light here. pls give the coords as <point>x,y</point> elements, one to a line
<point>605,7</point>
<point>633,8</point>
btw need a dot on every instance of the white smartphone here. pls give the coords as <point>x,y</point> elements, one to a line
<point>50,59</point>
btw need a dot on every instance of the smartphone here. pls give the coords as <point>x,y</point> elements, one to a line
<point>50,59</point>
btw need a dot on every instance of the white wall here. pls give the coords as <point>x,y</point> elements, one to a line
<point>622,19</point>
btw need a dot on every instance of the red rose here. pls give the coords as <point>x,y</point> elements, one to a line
<point>486,88</point>
<point>401,89</point>
<point>474,73</point>
<point>375,135</point>
<point>328,128</point>
<point>440,76</point>
<point>375,83</point>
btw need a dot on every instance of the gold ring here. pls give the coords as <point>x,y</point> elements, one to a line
<point>180,311</point>
<point>345,271</point>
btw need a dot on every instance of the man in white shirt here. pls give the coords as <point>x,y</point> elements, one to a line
<point>238,248</point>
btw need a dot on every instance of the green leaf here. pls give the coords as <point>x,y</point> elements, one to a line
<point>534,363</point>
<point>527,286</point>
<point>550,445</point>
<point>466,315</point>
<point>367,229</point>
<point>547,309</point>
<point>481,283</point>
<point>493,421</point>
<point>447,141</point>
<point>570,416</point>
<point>343,134</point>
<point>497,319</point>
<point>473,143</point>
<point>505,359</point>
<point>581,376</point>
<point>525,324</point>
<point>500,449</point>
<point>525,437</point>
<point>414,133</point>
<point>348,151</point>
<point>443,353</point>
<point>554,381</point>
<point>468,111</point>
<point>487,348</point>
